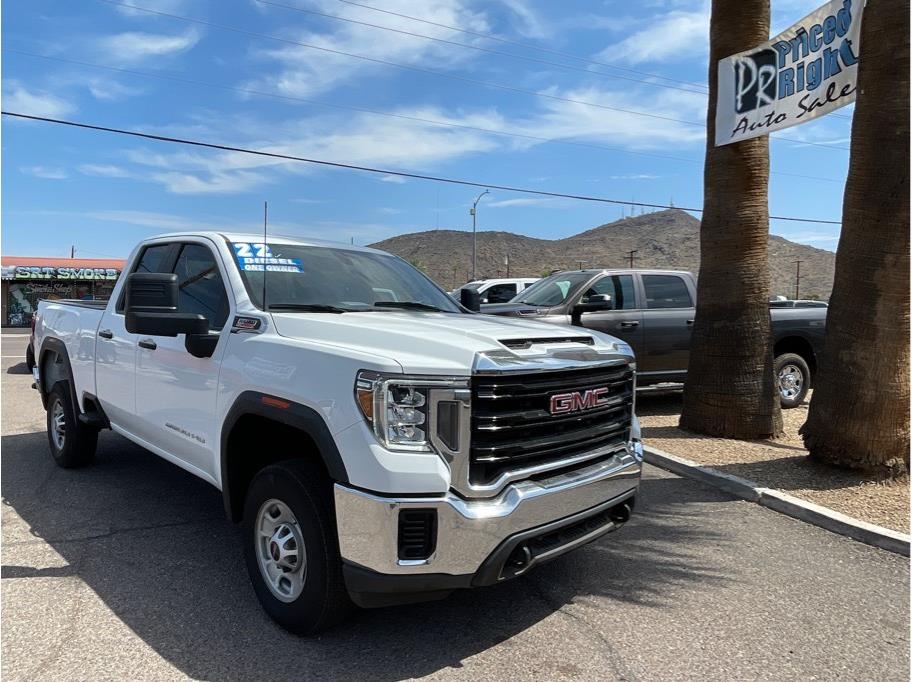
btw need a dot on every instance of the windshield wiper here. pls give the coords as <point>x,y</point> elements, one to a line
<point>309,307</point>
<point>409,305</point>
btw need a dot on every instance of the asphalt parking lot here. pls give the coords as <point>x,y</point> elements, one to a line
<point>129,570</point>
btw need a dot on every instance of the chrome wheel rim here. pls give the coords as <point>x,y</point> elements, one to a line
<point>791,379</point>
<point>58,425</point>
<point>280,550</point>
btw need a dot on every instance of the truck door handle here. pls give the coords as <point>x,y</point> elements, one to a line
<point>633,323</point>
<point>690,321</point>
<point>106,334</point>
<point>147,343</point>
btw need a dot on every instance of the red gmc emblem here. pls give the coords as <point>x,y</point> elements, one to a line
<point>577,401</point>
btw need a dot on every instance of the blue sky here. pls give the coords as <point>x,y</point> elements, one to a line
<point>102,193</point>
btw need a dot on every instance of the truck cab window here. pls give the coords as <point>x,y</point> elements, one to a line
<point>201,287</point>
<point>154,259</point>
<point>619,287</point>
<point>666,291</point>
<point>500,293</point>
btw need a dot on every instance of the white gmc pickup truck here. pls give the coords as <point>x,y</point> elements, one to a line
<point>378,442</point>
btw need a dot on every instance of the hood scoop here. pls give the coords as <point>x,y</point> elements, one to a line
<point>523,344</point>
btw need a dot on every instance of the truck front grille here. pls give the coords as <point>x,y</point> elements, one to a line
<point>513,426</point>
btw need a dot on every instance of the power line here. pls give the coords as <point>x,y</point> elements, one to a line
<point>370,169</point>
<point>478,48</point>
<point>374,112</point>
<point>432,72</point>
<point>703,88</point>
<point>528,46</point>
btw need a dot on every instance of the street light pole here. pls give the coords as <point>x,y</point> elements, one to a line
<point>473,211</point>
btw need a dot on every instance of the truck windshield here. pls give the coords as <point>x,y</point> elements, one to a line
<point>552,290</point>
<point>326,279</point>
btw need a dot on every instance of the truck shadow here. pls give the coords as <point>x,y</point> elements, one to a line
<point>152,542</point>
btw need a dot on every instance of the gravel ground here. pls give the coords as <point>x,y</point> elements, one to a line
<point>780,464</point>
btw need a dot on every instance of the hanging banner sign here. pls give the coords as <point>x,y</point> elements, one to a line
<point>803,73</point>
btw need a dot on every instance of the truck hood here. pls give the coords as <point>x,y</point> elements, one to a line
<point>441,343</point>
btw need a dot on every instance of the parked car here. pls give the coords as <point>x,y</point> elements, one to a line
<point>496,290</point>
<point>653,311</point>
<point>378,442</point>
<point>797,303</point>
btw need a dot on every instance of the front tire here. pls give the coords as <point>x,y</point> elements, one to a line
<point>292,550</point>
<point>72,443</point>
<point>793,378</point>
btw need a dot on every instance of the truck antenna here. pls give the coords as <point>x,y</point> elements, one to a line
<point>265,220</point>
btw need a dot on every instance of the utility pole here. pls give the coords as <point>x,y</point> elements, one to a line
<point>580,263</point>
<point>632,256</point>
<point>473,211</point>
<point>797,277</point>
<point>507,263</point>
<point>73,251</point>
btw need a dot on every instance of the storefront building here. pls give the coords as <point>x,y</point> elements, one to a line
<point>25,281</point>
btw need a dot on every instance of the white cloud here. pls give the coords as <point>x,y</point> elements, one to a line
<point>679,34</point>
<point>212,183</point>
<point>136,46</point>
<point>109,90</point>
<point>304,71</point>
<point>363,140</point>
<point>634,176</point>
<point>19,99</point>
<point>527,22</point>
<point>524,201</point>
<point>395,179</point>
<point>45,172</point>
<point>163,222</point>
<point>386,210</point>
<point>813,238</point>
<point>104,170</point>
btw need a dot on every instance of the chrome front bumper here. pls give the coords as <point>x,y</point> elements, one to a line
<point>469,531</point>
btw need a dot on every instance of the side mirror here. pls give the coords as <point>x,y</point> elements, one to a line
<point>470,299</point>
<point>595,303</point>
<point>151,307</point>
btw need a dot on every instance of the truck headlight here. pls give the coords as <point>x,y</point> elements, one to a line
<point>396,408</point>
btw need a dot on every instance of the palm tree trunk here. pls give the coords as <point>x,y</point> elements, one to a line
<point>859,414</point>
<point>730,389</point>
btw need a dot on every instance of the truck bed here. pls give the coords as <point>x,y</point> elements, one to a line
<point>74,323</point>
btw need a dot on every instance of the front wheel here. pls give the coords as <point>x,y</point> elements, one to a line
<point>72,443</point>
<point>291,548</point>
<point>793,378</point>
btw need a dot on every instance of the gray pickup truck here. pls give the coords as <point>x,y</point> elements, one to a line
<point>653,311</point>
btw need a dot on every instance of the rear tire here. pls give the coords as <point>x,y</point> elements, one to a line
<point>72,443</point>
<point>793,379</point>
<point>292,550</point>
<point>29,357</point>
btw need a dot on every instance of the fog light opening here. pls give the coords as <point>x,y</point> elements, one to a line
<point>520,557</point>
<point>620,513</point>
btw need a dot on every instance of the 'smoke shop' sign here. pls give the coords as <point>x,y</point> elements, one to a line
<point>65,273</point>
<point>803,73</point>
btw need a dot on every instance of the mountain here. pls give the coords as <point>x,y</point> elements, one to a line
<point>664,239</point>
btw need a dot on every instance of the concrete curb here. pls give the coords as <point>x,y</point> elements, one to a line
<point>779,501</point>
